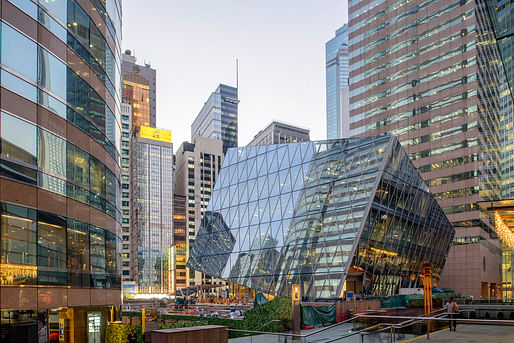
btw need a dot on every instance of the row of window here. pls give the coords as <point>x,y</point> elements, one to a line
<point>60,90</point>
<point>63,167</point>
<point>89,43</point>
<point>43,248</point>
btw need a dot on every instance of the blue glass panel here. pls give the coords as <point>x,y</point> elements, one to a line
<point>57,7</point>
<point>52,104</point>
<point>52,25</point>
<point>19,52</point>
<point>18,86</point>
<point>26,6</point>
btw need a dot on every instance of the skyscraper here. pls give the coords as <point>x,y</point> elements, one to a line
<point>139,83</point>
<point>198,164</point>
<point>336,55</point>
<point>127,259</point>
<point>218,117</point>
<point>60,168</point>
<point>428,73</point>
<point>152,203</point>
<point>279,133</point>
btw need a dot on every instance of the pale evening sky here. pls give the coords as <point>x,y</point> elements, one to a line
<point>193,46</point>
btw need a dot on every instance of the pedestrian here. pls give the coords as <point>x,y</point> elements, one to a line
<point>453,311</point>
<point>132,338</point>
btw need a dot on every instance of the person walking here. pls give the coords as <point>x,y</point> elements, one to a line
<point>453,311</point>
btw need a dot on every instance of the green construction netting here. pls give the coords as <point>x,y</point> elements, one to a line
<point>259,299</point>
<point>180,301</point>
<point>318,316</point>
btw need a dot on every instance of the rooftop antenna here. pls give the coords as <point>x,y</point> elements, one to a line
<point>237,73</point>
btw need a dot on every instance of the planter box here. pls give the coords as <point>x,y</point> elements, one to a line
<point>194,334</point>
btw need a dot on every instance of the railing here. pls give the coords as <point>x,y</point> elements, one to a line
<point>389,328</point>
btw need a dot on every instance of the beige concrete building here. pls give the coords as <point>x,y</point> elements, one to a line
<point>197,167</point>
<point>279,133</point>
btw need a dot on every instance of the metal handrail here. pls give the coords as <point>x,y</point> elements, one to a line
<point>386,326</point>
<point>268,323</point>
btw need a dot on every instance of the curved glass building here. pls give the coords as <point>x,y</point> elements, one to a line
<point>59,168</point>
<point>333,216</point>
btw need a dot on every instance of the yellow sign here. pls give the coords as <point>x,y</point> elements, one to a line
<point>155,134</point>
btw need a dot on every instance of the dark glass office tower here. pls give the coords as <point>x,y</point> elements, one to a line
<point>218,117</point>
<point>332,216</point>
<point>59,169</point>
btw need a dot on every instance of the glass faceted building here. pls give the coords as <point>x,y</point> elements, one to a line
<point>319,214</point>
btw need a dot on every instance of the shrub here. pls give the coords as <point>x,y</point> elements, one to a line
<point>500,315</point>
<point>487,315</point>
<point>118,333</point>
<point>511,316</point>
<point>473,315</point>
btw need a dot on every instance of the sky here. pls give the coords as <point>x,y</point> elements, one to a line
<point>193,45</point>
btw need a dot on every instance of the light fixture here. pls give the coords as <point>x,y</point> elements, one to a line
<point>503,230</point>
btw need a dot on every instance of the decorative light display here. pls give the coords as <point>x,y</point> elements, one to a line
<point>503,231</point>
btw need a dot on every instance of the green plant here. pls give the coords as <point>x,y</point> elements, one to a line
<point>511,316</point>
<point>118,333</point>
<point>500,315</point>
<point>473,315</point>
<point>487,315</point>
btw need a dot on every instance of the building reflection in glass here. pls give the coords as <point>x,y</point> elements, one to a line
<point>336,215</point>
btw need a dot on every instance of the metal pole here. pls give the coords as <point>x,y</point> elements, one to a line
<point>392,334</point>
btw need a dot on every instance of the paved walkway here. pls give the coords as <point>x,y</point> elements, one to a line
<point>464,334</point>
<point>470,334</point>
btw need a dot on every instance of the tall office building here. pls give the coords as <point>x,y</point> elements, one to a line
<point>218,117</point>
<point>126,129</point>
<point>139,83</point>
<point>179,274</point>
<point>428,73</point>
<point>336,59</point>
<point>60,169</point>
<point>279,133</point>
<point>501,13</point>
<point>151,214</point>
<point>198,164</point>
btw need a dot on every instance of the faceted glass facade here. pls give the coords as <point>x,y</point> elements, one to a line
<point>312,212</point>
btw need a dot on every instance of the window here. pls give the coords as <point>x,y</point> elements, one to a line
<point>97,256</point>
<point>57,7</point>
<point>51,153</point>
<point>78,253</point>
<point>51,73</point>
<point>51,249</point>
<point>77,165</point>
<point>18,235</point>
<point>97,176</point>
<point>112,258</point>
<point>18,52</point>
<point>18,139</point>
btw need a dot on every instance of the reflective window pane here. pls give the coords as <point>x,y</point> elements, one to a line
<point>51,73</point>
<point>51,153</point>
<point>78,253</point>
<point>18,139</point>
<point>19,52</point>
<point>51,249</point>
